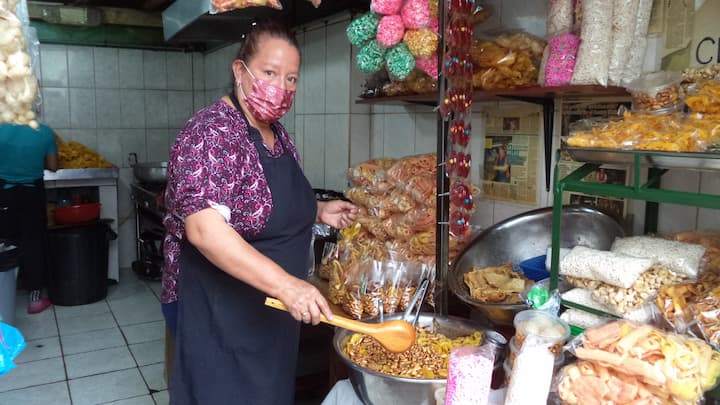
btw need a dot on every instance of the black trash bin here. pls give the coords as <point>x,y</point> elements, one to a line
<point>79,262</point>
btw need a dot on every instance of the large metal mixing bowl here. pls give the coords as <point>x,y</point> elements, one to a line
<point>375,388</point>
<point>522,237</point>
<point>150,172</point>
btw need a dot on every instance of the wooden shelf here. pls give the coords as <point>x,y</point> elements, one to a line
<point>530,92</point>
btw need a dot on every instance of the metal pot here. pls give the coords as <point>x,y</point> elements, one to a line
<point>375,388</point>
<point>150,172</point>
<point>525,236</point>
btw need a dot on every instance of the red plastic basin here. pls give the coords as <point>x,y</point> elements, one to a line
<point>77,213</point>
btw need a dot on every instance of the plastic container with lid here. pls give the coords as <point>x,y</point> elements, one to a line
<point>656,93</point>
<point>550,329</point>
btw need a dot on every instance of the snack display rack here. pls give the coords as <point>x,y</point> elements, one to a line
<point>657,163</point>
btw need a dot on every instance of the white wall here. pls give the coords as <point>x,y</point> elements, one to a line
<point>120,101</point>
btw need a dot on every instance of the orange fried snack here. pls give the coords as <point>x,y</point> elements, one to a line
<point>496,284</point>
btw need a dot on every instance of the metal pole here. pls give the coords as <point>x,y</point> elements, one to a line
<point>442,237</point>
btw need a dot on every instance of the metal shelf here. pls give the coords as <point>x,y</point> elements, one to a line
<point>650,191</point>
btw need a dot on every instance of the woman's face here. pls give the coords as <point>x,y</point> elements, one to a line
<point>276,62</point>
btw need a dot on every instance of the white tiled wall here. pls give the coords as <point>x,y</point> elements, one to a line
<point>120,101</point>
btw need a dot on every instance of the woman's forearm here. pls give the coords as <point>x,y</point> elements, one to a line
<point>226,249</point>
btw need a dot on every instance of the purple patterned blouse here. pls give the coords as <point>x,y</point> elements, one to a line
<point>214,162</point>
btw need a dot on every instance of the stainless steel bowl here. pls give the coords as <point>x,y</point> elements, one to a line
<point>375,388</point>
<point>150,172</point>
<point>522,237</point>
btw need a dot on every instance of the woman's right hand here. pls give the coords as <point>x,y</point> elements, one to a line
<point>305,302</point>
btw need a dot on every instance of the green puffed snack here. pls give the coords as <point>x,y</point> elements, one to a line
<point>371,57</point>
<point>362,29</point>
<point>400,62</point>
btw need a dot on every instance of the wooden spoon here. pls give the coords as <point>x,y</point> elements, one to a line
<point>397,336</point>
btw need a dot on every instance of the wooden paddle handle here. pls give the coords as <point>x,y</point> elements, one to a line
<point>337,320</point>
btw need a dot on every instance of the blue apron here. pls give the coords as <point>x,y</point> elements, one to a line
<point>230,347</point>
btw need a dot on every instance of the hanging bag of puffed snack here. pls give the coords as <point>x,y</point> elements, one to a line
<point>623,29</point>
<point>676,368</point>
<point>593,60</point>
<point>636,57</point>
<point>469,375</point>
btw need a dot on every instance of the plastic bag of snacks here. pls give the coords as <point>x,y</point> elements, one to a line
<point>470,371</point>
<point>622,300</point>
<point>706,311</point>
<point>707,100</point>
<point>623,30</point>
<point>593,60</point>
<point>510,65</point>
<point>560,17</point>
<point>560,63</point>
<point>531,374</point>
<point>18,85</point>
<point>590,380</point>
<point>221,6</point>
<point>617,269</point>
<point>657,92</point>
<point>679,257</point>
<point>636,57</point>
<point>330,255</point>
<point>677,367</point>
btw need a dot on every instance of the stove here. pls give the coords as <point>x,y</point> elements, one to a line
<point>149,212</point>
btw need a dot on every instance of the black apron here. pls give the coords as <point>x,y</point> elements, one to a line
<point>230,347</point>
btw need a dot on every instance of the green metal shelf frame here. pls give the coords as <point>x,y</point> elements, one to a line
<point>650,192</point>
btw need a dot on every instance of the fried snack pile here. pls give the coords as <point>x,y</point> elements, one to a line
<point>707,101</point>
<point>496,284</point>
<point>673,132</point>
<point>678,368</point>
<point>74,155</point>
<point>427,358</point>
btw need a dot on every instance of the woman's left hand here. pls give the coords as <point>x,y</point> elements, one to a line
<point>337,213</point>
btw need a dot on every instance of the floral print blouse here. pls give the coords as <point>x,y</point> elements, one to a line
<point>215,163</point>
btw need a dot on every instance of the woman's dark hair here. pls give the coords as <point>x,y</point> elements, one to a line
<point>271,28</point>
<point>249,46</point>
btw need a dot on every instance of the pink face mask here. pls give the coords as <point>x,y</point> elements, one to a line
<point>267,102</point>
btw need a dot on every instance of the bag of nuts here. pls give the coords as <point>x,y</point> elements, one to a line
<point>622,300</point>
<point>657,92</point>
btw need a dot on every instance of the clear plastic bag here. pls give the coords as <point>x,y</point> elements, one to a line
<point>531,374</point>
<point>636,57</point>
<point>470,372</point>
<point>586,379</point>
<point>12,343</point>
<point>497,66</point>
<point>18,85</point>
<point>330,255</point>
<point>221,6</point>
<point>656,92</point>
<point>614,268</point>
<point>593,60</point>
<point>560,17</point>
<point>678,257</point>
<point>560,64</point>
<point>675,367</point>
<point>706,312</point>
<point>623,31</point>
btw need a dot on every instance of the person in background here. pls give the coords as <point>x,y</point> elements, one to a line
<point>24,154</point>
<point>239,222</point>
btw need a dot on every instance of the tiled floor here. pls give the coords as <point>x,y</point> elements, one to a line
<point>109,352</point>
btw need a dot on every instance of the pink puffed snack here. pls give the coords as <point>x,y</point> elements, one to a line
<point>561,59</point>
<point>386,7</point>
<point>390,30</point>
<point>428,65</point>
<point>469,375</point>
<point>416,14</point>
<point>434,25</point>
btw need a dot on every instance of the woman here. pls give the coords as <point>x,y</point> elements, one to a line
<point>242,211</point>
<point>24,153</point>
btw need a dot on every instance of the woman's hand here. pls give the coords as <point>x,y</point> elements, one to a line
<point>304,302</point>
<point>336,213</point>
